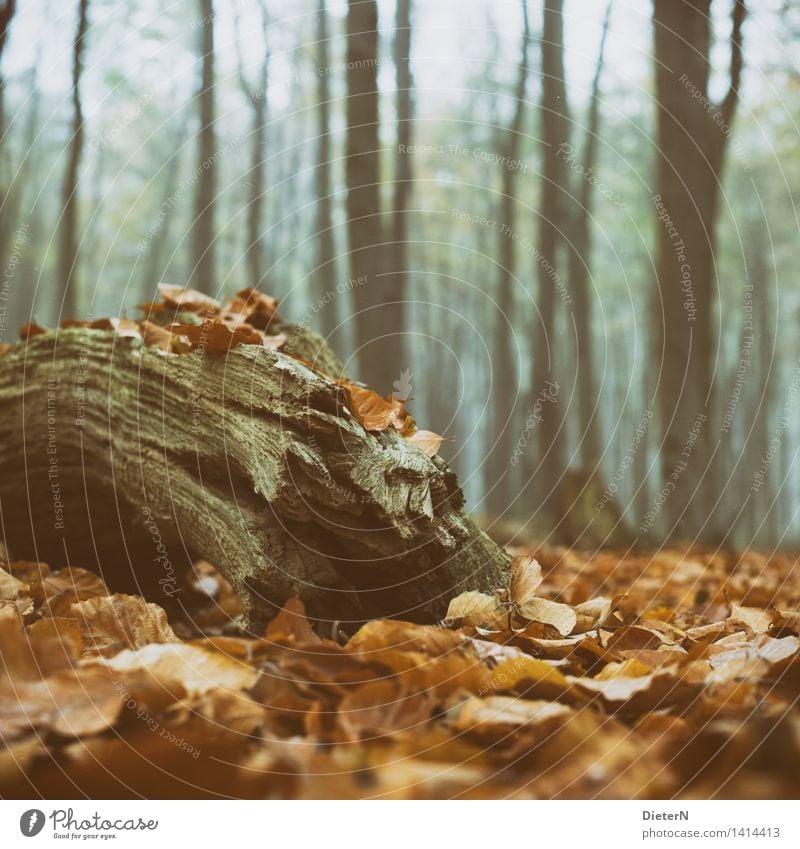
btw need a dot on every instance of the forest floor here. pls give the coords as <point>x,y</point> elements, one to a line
<point>674,674</point>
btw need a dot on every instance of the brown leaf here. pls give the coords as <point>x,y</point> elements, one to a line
<point>121,326</point>
<point>476,609</point>
<point>560,616</point>
<point>375,413</point>
<point>28,331</point>
<point>291,624</point>
<point>253,307</point>
<point>71,703</point>
<point>756,620</point>
<point>381,708</point>
<point>427,441</point>
<point>194,669</point>
<point>497,717</point>
<point>214,336</point>
<point>190,300</point>
<point>11,587</point>
<point>526,576</point>
<point>110,624</point>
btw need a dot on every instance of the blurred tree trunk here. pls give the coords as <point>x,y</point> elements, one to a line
<point>257,98</point>
<point>325,271</point>
<point>765,512</point>
<point>155,267</point>
<point>552,226</point>
<point>580,261</point>
<point>364,225</point>
<point>68,236</point>
<point>692,138</point>
<point>505,356</point>
<point>403,182</point>
<point>202,273</point>
<point>7,10</point>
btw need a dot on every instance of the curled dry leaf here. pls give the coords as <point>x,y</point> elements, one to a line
<point>477,609</point>
<point>214,336</point>
<point>180,297</point>
<point>499,716</point>
<point>291,624</point>
<point>383,707</point>
<point>561,616</point>
<point>71,703</point>
<point>10,587</point>
<point>427,441</point>
<point>28,331</point>
<point>526,576</point>
<point>193,669</point>
<point>756,620</point>
<point>112,623</point>
<point>375,413</point>
<point>253,307</point>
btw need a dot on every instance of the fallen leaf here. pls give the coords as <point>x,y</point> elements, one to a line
<point>476,609</point>
<point>561,616</point>
<point>190,300</point>
<point>112,623</point>
<point>427,441</point>
<point>526,577</point>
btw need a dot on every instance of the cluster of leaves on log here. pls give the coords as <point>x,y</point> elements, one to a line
<point>186,320</point>
<point>615,676</point>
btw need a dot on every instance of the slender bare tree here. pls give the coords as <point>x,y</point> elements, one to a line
<point>553,222</point>
<point>692,136</point>
<point>202,271</point>
<point>325,272</point>
<point>403,182</point>
<point>68,235</point>
<point>7,10</point>
<point>505,365</point>
<point>579,265</point>
<point>256,94</point>
<point>364,223</point>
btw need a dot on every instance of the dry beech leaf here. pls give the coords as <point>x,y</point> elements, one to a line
<point>498,716</point>
<point>28,331</point>
<point>291,624</point>
<point>190,300</point>
<point>528,676</point>
<point>155,336</point>
<point>427,441</point>
<point>194,669</point>
<point>476,609</point>
<point>214,336</point>
<point>560,616</point>
<point>383,707</point>
<point>756,620</point>
<point>121,326</point>
<point>406,636</point>
<point>11,587</point>
<point>112,623</point>
<point>65,630</point>
<point>72,703</point>
<point>526,576</point>
<point>375,413</point>
<point>253,307</point>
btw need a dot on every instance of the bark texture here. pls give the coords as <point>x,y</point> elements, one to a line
<point>122,459</point>
<point>693,135</point>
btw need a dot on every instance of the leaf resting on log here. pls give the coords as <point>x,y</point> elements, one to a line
<point>133,462</point>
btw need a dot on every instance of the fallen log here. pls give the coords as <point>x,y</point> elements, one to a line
<point>133,462</point>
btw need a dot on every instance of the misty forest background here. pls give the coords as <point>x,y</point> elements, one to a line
<point>566,230</point>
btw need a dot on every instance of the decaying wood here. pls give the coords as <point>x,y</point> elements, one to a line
<point>123,459</point>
